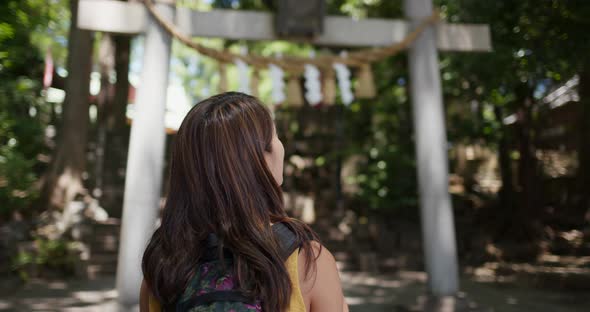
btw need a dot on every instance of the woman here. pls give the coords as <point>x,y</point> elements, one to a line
<point>222,214</point>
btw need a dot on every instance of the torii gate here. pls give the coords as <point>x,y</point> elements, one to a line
<point>146,148</point>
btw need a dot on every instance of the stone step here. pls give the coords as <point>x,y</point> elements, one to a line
<point>536,275</point>
<point>109,226</point>
<point>105,231</point>
<point>570,280</point>
<point>108,243</point>
<point>344,261</point>
<point>564,261</point>
<point>103,259</point>
<point>94,268</point>
<point>94,271</point>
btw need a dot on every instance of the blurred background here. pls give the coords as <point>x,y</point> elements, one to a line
<point>518,127</point>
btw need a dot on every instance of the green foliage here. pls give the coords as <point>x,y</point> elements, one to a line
<point>536,46</point>
<point>46,256</point>
<point>22,110</point>
<point>52,27</point>
<point>17,180</point>
<point>380,129</point>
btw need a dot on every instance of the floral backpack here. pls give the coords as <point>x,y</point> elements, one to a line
<point>214,287</point>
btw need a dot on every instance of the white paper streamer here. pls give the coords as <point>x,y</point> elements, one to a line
<point>343,77</point>
<point>313,89</point>
<point>243,76</point>
<point>277,76</point>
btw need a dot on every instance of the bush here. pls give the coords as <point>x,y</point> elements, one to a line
<point>16,180</point>
<point>46,258</point>
<point>21,140</point>
<point>23,113</point>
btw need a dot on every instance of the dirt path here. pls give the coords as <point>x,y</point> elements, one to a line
<point>364,292</point>
<point>406,292</point>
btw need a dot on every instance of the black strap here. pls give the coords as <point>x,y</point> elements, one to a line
<point>287,239</point>
<point>212,241</point>
<point>213,254</point>
<point>214,296</point>
<point>212,250</point>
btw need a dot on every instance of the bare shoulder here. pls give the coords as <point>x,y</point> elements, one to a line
<point>322,289</point>
<point>144,295</point>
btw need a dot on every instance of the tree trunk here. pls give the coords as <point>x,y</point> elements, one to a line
<point>117,131</point>
<point>118,120</point>
<point>64,179</point>
<point>527,162</point>
<point>507,190</point>
<point>339,147</point>
<point>525,217</point>
<point>106,62</point>
<point>583,176</point>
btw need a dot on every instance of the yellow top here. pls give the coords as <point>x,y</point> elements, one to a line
<point>295,305</point>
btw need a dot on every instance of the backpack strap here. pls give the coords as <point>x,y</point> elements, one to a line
<point>287,239</point>
<point>211,252</point>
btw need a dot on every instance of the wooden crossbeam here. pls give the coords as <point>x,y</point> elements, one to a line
<point>132,18</point>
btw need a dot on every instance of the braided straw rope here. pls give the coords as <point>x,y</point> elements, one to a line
<point>295,64</point>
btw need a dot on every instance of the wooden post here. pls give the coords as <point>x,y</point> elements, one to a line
<point>145,161</point>
<point>438,227</point>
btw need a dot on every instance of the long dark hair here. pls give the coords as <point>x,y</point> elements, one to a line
<point>220,183</point>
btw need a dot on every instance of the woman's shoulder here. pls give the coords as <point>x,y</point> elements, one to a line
<point>320,285</point>
<point>322,261</point>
